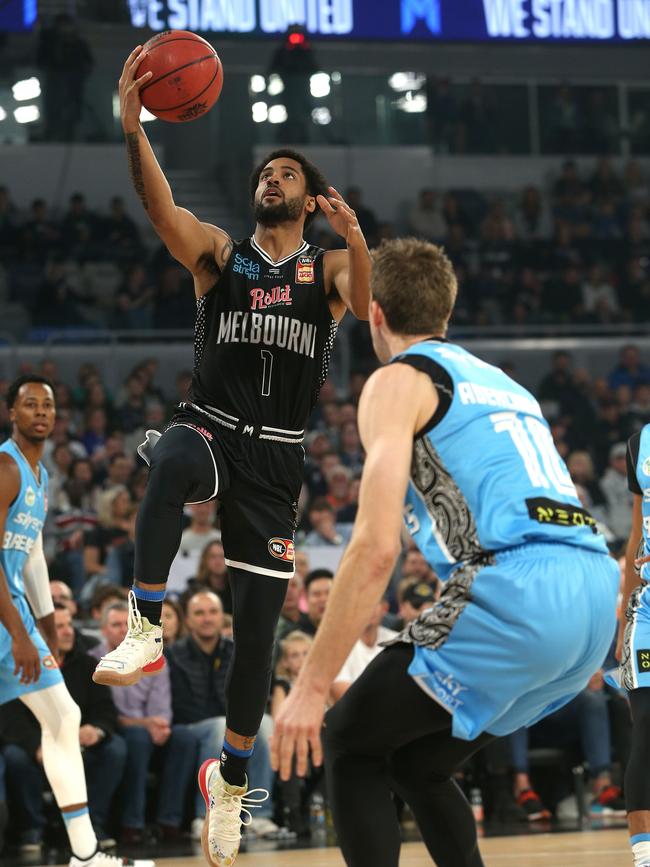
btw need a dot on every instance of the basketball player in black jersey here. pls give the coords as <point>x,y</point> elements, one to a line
<point>267,314</point>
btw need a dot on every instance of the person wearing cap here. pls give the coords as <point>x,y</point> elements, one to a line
<point>412,596</point>
<point>367,647</point>
<point>617,495</point>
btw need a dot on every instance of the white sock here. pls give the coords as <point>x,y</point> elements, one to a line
<point>83,841</point>
<point>641,849</point>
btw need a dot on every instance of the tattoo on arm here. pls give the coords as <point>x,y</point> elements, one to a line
<point>226,250</point>
<point>135,167</point>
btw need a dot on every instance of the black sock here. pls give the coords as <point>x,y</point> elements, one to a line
<point>149,607</point>
<point>234,763</point>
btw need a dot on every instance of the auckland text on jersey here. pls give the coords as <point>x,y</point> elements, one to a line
<point>567,19</point>
<point>282,331</point>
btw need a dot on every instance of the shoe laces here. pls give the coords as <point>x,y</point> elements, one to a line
<point>230,808</point>
<point>101,858</point>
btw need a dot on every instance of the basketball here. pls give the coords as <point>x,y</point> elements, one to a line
<point>187,76</point>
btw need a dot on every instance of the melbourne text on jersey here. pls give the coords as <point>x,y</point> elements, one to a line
<point>285,332</point>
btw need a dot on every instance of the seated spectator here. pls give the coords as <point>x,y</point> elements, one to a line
<point>62,595</point>
<point>596,288</point>
<point>532,219</point>
<point>119,232</point>
<point>582,472</point>
<point>212,575</point>
<point>322,519</point>
<point>338,486</point>
<point>95,429</point>
<point>114,512</point>
<point>365,649</point>
<point>129,412</point>
<point>59,304</point>
<point>348,514</point>
<point>412,597</point>
<point>415,565</point>
<point>198,667</point>
<point>618,497</point>
<point>318,584</point>
<point>290,612</point>
<point>119,467</point>
<point>585,719</point>
<point>41,235</point>
<point>424,219</point>
<point>350,448</point>
<point>79,227</point>
<point>134,301</point>
<point>74,515</point>
<point>201,529</point>
<point>292,652</point>
<point>104,752</point>
<point>172,621</point>
<point>366,217</point>
<point>630,370</point>
<point>144,721</point>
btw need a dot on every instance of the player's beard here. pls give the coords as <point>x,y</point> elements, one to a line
<point>284,211</point>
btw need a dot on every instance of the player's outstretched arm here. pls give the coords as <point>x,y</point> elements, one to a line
<point>196,245</point>
<point>390,412</point>
<point>632,577</point>
<point>26,659</point>
<point>347,271</point>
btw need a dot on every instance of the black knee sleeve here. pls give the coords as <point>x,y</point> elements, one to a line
<point>182,470</point>
<point>637,779</point>
<point>257,601</point>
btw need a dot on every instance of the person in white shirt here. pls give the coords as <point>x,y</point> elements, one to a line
<point>363,652</point>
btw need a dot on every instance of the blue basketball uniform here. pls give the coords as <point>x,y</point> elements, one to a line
<point>25,520</point>
<point>527,609</point>
<point>634,671</point>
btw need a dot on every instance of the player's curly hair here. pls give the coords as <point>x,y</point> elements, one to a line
<point>414,283</point>
<point>17,384</point>
<point>316,183</point>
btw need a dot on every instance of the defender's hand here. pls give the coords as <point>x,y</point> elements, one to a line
<point>129,86</point>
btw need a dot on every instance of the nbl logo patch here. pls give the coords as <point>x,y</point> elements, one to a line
<point>305,269</point>
<point>282,549</point>
<point>643,661</point>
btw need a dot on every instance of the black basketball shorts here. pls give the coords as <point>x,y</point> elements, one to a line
<point>257,484</point>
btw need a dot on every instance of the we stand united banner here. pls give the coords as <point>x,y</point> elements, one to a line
<point>422,20</point>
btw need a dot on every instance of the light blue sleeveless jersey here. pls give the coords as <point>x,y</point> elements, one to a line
<point>25,519</point>
<point>643,478</point>
<point>487,476</point>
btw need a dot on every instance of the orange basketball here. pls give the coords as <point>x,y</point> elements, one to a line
<point>187,76</point>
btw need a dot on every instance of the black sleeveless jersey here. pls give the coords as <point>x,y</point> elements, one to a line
<point>263,338</point>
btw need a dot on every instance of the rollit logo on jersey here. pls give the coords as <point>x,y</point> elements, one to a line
<point>261,299</point>
<point>305,269</point>
<point>282,549</point>
<point>30,496</point>
<point>246,266</point>
<point>270,330</point>
<point>17,542</point>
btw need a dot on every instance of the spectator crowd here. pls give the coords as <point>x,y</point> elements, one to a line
<point>575,251</point>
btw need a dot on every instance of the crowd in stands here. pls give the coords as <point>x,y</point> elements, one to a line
<point>575,251</point>
<point>169,724</point>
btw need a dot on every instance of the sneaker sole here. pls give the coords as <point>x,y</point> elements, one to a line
<point>203,787</point>
<point>109,677</point>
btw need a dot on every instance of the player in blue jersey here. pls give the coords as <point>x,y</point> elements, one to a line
<point>633,648</point>
<point>527,611</point>
<point>28,661</point>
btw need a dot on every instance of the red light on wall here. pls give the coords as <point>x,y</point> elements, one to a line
<point>296,39</point>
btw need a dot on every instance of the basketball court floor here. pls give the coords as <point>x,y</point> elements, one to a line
<point>608,848</point>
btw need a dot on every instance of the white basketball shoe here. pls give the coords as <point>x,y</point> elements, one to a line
<point>139,655</point>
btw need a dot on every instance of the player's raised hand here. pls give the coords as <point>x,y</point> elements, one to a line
<point>27,662</point>
<point>339,215</point>
<point>129,87</point>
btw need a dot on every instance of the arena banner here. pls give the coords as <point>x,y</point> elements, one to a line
<point>562,21</point>
<point>16,15</point>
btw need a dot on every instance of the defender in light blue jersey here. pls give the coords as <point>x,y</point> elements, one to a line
<point>633,647</point>
<point>28,664</point>
<point>527,610</point>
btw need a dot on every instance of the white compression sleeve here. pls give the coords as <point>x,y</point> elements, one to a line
<point>37,581</point>
<point>59,717</point>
